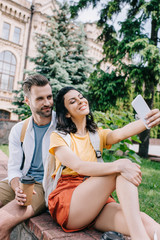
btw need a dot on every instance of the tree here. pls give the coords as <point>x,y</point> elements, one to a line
<point>61,55</point>
<point>102,94</point>
<point>132,50</point>
<point>62,52</point>
<point>22,110</point>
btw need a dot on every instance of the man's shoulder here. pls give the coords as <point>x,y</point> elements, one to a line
<point>18,125</point>
<point>17,128</point>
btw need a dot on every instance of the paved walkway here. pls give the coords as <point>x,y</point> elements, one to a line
<point>154,150</point>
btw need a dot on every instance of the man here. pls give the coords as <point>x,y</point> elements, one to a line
<point>38,96</point>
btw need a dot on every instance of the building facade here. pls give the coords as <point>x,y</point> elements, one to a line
<point>20,20</point>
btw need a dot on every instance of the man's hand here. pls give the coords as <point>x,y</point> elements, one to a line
<point>20,196</point>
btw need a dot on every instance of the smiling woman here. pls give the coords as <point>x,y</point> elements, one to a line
<point>84,175</point>
<point>76,104</point>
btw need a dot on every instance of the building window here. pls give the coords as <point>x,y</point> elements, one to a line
<point>6,31</point>
<point>4,114</point>
<point>7,70</point>
<point>16,36</point>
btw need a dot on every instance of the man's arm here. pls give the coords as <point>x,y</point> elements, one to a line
<point>14,183</point>
<point>15,153</point>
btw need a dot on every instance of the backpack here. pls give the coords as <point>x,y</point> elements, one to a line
<point>23,132</point>
<point>49,183</point>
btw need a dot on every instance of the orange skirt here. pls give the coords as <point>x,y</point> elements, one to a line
<point>59,200</point>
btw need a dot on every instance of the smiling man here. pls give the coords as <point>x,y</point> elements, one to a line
<point>38,96</point>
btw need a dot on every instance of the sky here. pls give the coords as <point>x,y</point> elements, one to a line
<point>88,15</point>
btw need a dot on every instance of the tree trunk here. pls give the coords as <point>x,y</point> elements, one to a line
<point>154,31</point>
<point>144,146</point>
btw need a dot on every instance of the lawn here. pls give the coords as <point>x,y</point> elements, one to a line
<point>4,148</point>
<point>149,189</point>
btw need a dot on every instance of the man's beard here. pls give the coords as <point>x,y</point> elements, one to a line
<point>45,114</point>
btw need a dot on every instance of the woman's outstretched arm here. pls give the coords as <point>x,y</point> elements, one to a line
<point>133,128</point>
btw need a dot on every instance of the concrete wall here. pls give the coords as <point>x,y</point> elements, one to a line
<point>5,127</point>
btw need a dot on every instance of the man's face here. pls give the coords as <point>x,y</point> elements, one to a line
<point>40,100</point>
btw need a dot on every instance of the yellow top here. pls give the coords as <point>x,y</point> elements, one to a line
<point>80,145</point>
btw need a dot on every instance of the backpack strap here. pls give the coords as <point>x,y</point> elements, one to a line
<point>66,137</point>
<point>24,128</point>
<point>95,141</point>
<point>23,132</point>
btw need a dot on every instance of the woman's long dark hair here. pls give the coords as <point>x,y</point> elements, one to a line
<point>65,124</point>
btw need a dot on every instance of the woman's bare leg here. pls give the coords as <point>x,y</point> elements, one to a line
<point>128,196</point>
<point>111,218</point>
<point>151,225</point>
<point>88,200</point>
<point>99,189</point>
<point>116,221</point>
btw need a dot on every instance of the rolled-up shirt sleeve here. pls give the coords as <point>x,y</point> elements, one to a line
<point>103,138</point>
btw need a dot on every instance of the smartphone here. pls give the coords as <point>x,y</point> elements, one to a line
<point>141,108</point>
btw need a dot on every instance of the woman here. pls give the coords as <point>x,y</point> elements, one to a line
<point>82,196</point>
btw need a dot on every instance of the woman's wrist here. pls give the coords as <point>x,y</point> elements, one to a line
<point>119,165</point>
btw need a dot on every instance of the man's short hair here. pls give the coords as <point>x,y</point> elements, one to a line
<point>34,80</point>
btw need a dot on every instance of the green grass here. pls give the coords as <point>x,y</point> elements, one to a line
<point>4,149</point>
<point>149,189</point>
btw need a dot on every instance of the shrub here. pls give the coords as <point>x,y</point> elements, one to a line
<point>113,120</point>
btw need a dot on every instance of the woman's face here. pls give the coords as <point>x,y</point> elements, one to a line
<point>76,104</point>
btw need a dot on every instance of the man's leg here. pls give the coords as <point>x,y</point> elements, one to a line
<point>12,214</point>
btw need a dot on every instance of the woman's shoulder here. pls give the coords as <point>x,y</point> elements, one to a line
<point>59,136</point>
